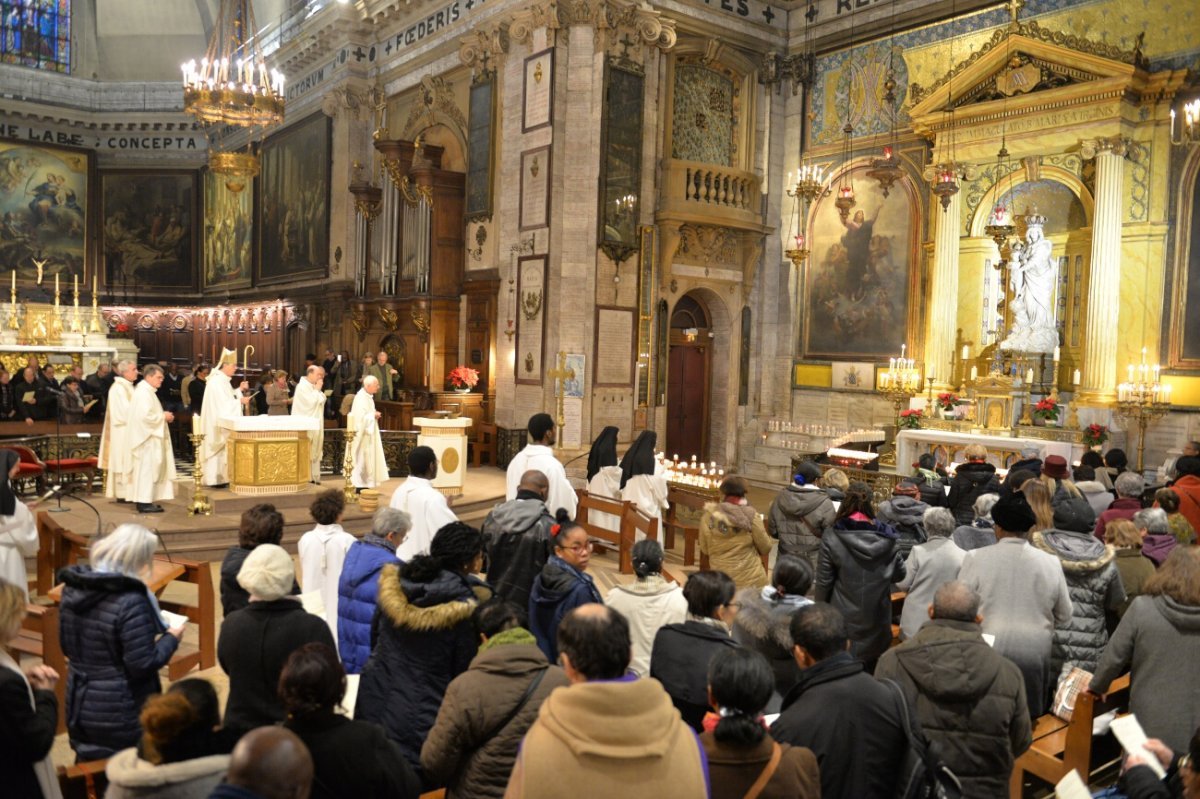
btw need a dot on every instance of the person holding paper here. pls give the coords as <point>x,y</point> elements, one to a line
<point>310,401</point>
<point>370,464</point>
<point>1141,779</point>
<point>115,458</point>
<point>149,443</point>
<point>221,401</point>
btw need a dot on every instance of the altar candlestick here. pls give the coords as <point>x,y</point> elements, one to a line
<point>196,428</point>
<point>966,352</point>
<point>56,286</point>
<point>1075,378</point>
<point>14,280</point>
<point>75,285</point>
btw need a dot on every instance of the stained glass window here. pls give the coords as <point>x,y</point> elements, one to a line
<point>36,33</point>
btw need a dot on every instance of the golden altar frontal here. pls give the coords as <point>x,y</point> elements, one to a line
<point>268,454</point>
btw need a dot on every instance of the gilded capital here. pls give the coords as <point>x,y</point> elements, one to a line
<point>1117,145</point>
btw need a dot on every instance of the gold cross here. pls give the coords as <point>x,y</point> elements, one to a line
<point>1014,9</point>
<point>558,375</point>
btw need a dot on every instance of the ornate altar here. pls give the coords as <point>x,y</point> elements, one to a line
<point>268,454</point>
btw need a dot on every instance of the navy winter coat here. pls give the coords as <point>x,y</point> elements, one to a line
<point>558,590</point>
<point>358,589</point>
<point>422,640</point>
<point>114,638</point>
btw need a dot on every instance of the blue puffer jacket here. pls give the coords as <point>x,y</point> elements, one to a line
<point>114,638</point>
<point>559,589</point>
<point>358,592</point>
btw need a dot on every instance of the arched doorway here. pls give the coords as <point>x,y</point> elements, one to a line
<point>689,371</point>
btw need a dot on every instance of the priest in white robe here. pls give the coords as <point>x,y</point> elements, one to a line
<point>427,506</point>
<point>221,401</point>
<point>539,456</point>
<point>114,457</point>
<point>309,401</point>
<point>149,442</point>
<point>18,531</point>
<point>370,465</point>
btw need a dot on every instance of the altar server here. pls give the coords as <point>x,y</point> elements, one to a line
<point>370,465</point>
<point>18,532</point>
<point>115,457</point>
<point>149,443</point>
<point>427,506</point>
<point>310,401</point>
<point>221,401</point>
<point>539,456</point>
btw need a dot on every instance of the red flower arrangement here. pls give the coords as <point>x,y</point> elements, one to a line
<point>1046,409</point>
<point>463,377</point>
<point>1094,435</point>
<point>910,419</point>
<point>947,401</point>
<point>122,327</point>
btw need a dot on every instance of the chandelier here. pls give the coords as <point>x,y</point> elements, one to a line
<point>1191,125</point>
<point>808,186</point>
<point>231,87</point>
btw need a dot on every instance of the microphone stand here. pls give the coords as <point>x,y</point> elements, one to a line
<point>58,451</point>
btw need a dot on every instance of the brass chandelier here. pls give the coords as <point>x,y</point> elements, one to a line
<point>232,87</point>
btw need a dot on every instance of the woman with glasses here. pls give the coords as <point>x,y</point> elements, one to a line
<point>681,652</point>
<point>114,636</point>
<point>563,585</point>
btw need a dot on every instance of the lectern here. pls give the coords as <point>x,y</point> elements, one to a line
<point>448,440</point>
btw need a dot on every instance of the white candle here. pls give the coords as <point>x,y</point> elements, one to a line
<point>1075,377</point>
<point>196,425</point>
<point>974,372</point>
<point>967,352</point>
<point>1029,376</point>
<point>1056,353</point>
<point>349,423</point>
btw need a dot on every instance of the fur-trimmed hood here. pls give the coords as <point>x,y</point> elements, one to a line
<point>439,604</point>
<point>764,616</point>
<point>727,518</point>
<point>1078,552</point>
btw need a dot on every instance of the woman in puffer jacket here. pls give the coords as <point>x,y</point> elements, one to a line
<point>116,641</point>
<point>422,637</point>
<point>764,618</point>
<point>801,514</point>
<point>563,584</point>
<point>733,537</point>
<point>1092,578</point>
<point>358,584</point>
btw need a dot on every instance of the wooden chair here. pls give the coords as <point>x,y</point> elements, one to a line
<point>83,780</point>
<point>1060,746</point>
<point>482,450</point>
<point>622,539</point>
<point>39,638</point>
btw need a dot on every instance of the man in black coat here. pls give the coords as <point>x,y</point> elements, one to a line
<point>516,536</point>
<point>850,721</point>
<point>968,699</point>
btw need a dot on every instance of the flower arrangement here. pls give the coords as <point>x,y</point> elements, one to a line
<point>910,419</point>
<point>947,401</point>
<point>1094,435</point>
<point>1046,410</point>
<point>120,330</point>
<point>463,377</point>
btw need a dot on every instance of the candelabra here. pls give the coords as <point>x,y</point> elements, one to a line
<point>1190,134</point>
<point>201,504</point>
<point>1142,400</point>
<point>899,396</point>
<point>930,408</point>
<point>348,491</point>
<point>809,186</point>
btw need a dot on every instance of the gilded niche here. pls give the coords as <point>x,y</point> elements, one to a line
<point>704,117</point>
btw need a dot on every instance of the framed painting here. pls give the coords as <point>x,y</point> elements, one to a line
<point>228,233</point>
<point>537,96</point>
<point>148,236</point>
<point>531,318</point>
<point>45,200</point>
<point>861,278</point>
<point>293,202</point>
<point>535,189</point>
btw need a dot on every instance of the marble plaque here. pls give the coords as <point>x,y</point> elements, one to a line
<point>538,98</point>
<point>531,318</point>
<point>535,188</point>
<point>572,429</point>
<point>614,346</point>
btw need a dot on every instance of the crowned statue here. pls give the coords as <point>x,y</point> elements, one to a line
<point>1033,277</point>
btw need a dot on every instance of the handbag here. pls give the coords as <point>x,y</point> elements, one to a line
<point>512,714</point>
<point>922,775</point>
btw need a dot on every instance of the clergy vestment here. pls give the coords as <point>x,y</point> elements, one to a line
<point>18,540</point>
<point>221,401</point>
<point>309,401</point>
<point>429,510</point>
<point>322,552</point>
<point>149,444</point>
<point>541,458</point>
<point>370,465</point>
<point>115,457</point>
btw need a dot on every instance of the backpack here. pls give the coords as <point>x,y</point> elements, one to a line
<point>922,775</point>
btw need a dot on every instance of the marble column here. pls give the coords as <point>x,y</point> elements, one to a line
<point>1099,378</point>
<point>941,323</point>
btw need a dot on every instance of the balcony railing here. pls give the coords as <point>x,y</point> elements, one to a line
<point>710,193</point>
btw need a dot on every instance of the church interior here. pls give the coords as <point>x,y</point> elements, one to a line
<point>770,231</point>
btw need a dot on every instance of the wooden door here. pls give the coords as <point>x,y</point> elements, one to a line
<point>687,402</point>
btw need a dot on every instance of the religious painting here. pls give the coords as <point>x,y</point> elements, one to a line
<point>531,318</point>
<point>147,237</point>
<point>228,233</point>
<point>573,386</point>
<point>43,209</point>
<point>859,278</point>
<point>293,202</point>
<point>1185,305</point>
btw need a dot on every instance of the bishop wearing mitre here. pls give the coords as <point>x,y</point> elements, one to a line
<point>370,465</point>
<point>221,401</point>
<point>149,444</point>
<point>310,401</point>
<point>115,457</point>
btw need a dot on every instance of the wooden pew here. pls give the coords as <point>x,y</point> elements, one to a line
<point>639,522</point>
<point>83,780</point>
<point>1060,746</point>
<point>39,638</point>
<point>58,547</point>
<point>622,539</point>
<point>202,614</point>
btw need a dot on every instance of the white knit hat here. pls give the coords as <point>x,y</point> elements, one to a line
<point>268,572</point>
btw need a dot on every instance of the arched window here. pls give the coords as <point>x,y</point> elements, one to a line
<point>36,33</point>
